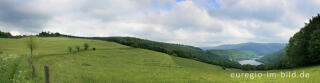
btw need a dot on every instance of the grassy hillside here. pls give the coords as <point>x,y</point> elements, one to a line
<point>261,49</point>
<point>234,54</point>
<point>178,50</point>
<point>116,63</point>
<point>272,58</point>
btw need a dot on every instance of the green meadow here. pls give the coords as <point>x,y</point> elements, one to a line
<point>116,63</point>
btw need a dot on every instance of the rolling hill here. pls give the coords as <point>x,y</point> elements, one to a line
<point>272,58</point>
<point>184,51</point>
<point>234,54</point>
<point>260,49</point>
<point>116,63</point>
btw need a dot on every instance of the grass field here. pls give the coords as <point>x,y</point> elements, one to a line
<point>116,63</point>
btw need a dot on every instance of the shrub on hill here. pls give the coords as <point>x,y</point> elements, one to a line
<point>70,49</point>
<point>78,48</point>
<point>86,46</point>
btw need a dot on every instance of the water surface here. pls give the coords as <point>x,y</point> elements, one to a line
<point>251,62</point>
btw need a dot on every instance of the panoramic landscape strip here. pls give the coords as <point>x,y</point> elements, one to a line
<point>159,41</point>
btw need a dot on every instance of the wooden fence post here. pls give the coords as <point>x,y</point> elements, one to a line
<point>46,73</point>
<point>32,66</point>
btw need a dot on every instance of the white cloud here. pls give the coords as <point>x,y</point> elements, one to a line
<point>191,22</point>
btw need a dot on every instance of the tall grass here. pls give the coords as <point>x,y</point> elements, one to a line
<point>8,68</point>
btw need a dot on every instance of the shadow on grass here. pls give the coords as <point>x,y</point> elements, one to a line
<point>37,57</point>
<point>128,48</point>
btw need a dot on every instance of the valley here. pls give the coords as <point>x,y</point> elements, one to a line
<point>248,53</point>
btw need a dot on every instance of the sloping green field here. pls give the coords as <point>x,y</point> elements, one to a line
<point>115,63</point>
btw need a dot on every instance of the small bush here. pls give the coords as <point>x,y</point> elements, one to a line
<point>223,68</point>
<point>86,46</point>
<point>85,64</point>
<point>78,48</point>
<point>70,49</point>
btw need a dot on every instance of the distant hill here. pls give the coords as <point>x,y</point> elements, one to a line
<point>260,49</point>
<point>234,54</point>
<point>272,58</point>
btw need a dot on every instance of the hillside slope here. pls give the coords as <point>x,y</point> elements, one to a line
<point>184,51</point>
<point>116,63</point>
<point>272,58</point>
<point>234,54</point>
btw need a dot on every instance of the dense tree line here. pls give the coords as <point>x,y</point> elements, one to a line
<point>304,47</point>
<point>9,35</point>
<point>51,34</point>
<point>48,34</point>
<point>41,34</point>
<point>5,35</point>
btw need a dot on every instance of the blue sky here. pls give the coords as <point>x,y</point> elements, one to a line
<point>190,22</point>
<point>208,4</point>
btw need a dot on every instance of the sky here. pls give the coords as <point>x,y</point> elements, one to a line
<point>190,22</point>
